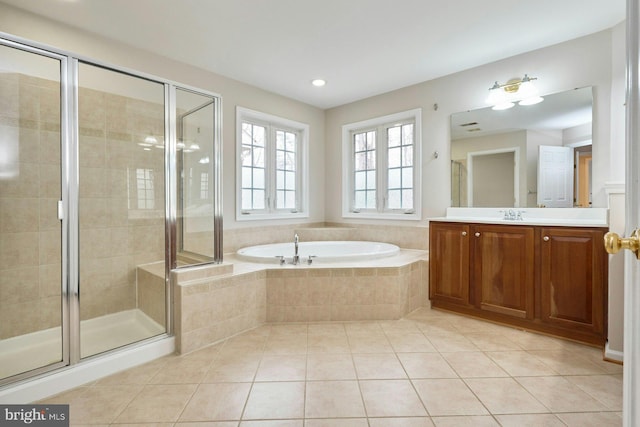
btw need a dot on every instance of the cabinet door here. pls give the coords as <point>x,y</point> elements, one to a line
<point>449,262</point>
<point>573,278</point>
<point>502,276</point>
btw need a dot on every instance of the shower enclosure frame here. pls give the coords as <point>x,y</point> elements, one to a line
<point>65,298</point>
<point>68,206</point>
<point>217,180</point>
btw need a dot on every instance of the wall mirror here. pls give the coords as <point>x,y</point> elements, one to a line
<point>526,156</point>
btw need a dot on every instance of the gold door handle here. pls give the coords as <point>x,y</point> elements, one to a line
<point>613,243</point>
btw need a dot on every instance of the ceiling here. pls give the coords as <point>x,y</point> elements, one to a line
<point>360,47</point>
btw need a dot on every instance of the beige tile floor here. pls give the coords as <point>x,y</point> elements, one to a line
<point>429,369</point>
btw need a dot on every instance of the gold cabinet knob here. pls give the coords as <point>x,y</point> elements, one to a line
<point>464,233</point>
<point>545,238</point>
<point>613,242</point>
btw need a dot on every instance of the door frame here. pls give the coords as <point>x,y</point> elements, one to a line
<point>631,370</point>
<point>516,172</point>
<point>63,204</point>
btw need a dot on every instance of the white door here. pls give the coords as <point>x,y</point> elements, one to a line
<point>555,176</point>
<point>631,400</point>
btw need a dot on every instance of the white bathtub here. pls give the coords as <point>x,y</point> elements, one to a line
<point>321,251</point>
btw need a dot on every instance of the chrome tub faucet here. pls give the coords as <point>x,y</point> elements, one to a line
<point>296,257</point>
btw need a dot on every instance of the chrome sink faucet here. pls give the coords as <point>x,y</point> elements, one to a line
<point>296,257</point>
<point>512,214</point>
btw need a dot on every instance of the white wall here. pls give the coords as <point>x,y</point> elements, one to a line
<point>34,28</point>
<point>618,99</point>
<point>578,63</point>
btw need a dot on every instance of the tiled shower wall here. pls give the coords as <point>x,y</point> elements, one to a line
<point>115,236</point>
<point>30,260</point>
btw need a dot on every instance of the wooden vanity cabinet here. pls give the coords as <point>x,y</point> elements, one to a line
<point>573,277</point>
<point>549,279</point>
<point>502,269</point>
<point>449,246</point>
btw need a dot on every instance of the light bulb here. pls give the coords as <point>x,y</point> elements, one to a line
<point>532,100</point>
<point>150,139</point>
<point>503,106</point>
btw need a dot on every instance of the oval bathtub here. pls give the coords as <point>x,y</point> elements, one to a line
<point>321,251</point>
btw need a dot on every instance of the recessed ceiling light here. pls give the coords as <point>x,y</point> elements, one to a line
<point>318,82</point>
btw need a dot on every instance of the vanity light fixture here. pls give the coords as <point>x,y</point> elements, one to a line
<point>522,91</point>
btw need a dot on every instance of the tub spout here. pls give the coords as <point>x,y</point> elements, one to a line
<point>296,257</point>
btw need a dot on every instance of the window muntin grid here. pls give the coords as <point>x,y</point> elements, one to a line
<point>400,159</point>
<point>145,189</point>
<point>286,169</point>
<point>285,163</point>
<point>364,170</point>
<point>253,166</point>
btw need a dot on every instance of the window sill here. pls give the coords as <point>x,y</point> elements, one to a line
<point>261,217</point>
<point>394,216</point>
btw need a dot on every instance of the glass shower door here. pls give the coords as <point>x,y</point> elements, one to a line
<point>121,144</point>
<point>199,216</point>
<point>32,294</point>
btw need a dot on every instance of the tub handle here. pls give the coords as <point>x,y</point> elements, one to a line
<point>310,259</point>
<point>281,258</point>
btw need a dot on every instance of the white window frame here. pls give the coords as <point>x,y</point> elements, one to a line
<point>273,124</point>
<point>348,187</point>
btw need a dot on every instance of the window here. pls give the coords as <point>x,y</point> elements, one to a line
<point>144,186</point>
<point>381,167</point>
<point>204,186</point>
<point>272,166</point>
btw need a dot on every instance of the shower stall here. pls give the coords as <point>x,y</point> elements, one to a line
<point>109,179</point>
<point>458,183</point>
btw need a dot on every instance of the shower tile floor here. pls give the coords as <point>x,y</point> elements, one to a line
<point>430,369</point>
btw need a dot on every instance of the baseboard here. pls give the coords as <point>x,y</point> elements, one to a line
<point>613,355</point>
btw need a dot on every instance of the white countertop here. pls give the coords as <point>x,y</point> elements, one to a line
<point>567,217</point>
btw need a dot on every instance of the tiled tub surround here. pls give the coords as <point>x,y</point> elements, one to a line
<point>407,237</point>
<point>223,300</point>
<point>329,294</point>
<point>212,303</point>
